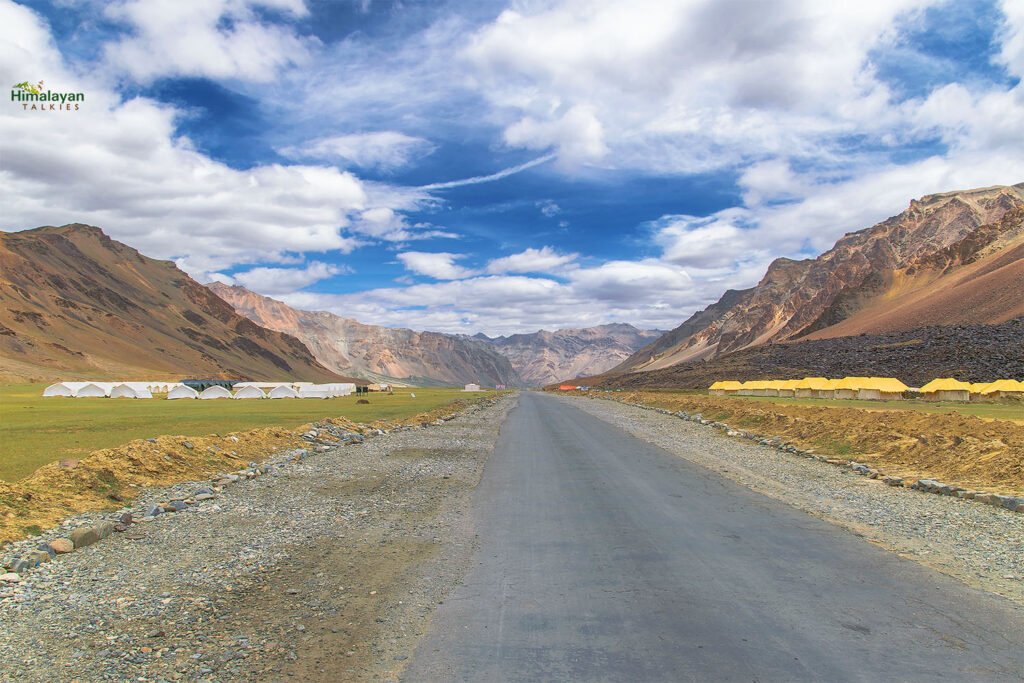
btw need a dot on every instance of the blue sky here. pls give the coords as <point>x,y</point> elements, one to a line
<point>502,167</point>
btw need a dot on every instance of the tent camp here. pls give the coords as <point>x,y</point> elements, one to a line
<point>848,387</point>
<point>1004,388</point>
<point>215,391</point>
<point>807,387</point>
<point>181,391</point>
<point>126,390</point>
<point>249,392</point>
<point>946,389</point>
<point>282,391</point>
<point>881,389</point>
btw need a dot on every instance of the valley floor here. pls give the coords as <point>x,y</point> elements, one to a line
<point>325,570</point>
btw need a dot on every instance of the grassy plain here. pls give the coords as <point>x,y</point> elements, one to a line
<point>35,431</point>
<point>989,410</point>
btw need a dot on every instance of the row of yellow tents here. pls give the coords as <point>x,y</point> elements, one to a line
<point>869,388</point>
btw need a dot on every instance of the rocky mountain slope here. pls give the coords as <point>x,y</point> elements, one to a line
<point>76,304</point>
<point>951,258</point>
<point>972,353</point>
<point>543,357</point>
<point>377,353</point>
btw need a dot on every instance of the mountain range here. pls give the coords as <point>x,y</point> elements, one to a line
<point>76,304</point>
<point>433,358</point>
<point>955,258</point>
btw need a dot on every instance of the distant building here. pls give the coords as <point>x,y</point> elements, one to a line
<point>472,387</point>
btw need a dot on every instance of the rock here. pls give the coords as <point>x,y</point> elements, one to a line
<point>204,496</point>
<point>104,529</point>
<point>201,490</point>
<point>187,445</point>
<point>151,440</point>
<point>47,549</point>
<point>37,557</point>
<point>159,633</point>
<point>62,545</point>
<point>990,498</point>
<point>126,518</point>
<point>10,577</point>
<point>68,463</point>
<point>84,536</point>
<point>20,565</point>
<point>120,527</point>
<point>176,506</point>
<point>153,511</point>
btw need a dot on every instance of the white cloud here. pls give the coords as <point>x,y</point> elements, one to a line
<point>120,166</point>
<point>212,38</point>
<point>440,266</point>
<point>385,150</point>
<point>275,281</point>
<point>684,86</point>
<point>531,260</point>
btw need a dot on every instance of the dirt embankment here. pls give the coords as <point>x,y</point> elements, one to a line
<point>111,478</point>
<point>956,449</point>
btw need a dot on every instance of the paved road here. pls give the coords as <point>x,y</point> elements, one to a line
<point>606,558</point>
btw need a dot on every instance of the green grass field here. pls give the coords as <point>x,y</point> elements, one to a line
<point>986,409</point>
<point>35,431</point>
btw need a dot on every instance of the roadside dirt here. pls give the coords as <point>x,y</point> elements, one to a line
<point>984,455</point>
<point>111,478</point>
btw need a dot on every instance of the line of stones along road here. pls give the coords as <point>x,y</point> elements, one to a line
<point>75,533</point>
<point>1008,503</point>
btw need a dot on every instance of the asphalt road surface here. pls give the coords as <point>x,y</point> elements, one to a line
<point>606,558</point>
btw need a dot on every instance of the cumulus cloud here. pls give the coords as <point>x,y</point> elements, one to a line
<point>275,281</point>
<point>440,265</point>
<point>531,260</point>
<point>121,166</point>
<point>385,150</point>
<point>211,38</point>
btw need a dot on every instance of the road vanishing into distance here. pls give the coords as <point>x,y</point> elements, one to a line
<point>605,558</point>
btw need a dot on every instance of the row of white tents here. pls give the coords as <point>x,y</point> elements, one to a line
<point>176,390</point>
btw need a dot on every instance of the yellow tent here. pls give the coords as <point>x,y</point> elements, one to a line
<point>1003,388</point>
<point>827,389</point>
<point>747,388</point>
<point>760,387</point>
<point>806,387</point>
<point>729,388</point>
<point>772,386</point>
<point>848,387</point>
<point>713,389</point>
<point>881,388</point>
<point>946,389</point>
<point>788,387</point>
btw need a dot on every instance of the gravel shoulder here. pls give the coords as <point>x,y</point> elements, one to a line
<point>980,545</point>
<point>327,569</point>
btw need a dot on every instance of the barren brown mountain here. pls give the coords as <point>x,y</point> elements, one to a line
<point>955,258</point>
<point>75,304</point>
<point>543,357</point>
<point>377,353</point>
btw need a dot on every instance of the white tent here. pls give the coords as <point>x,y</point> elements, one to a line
<point>63,388</point>
<point>92,390</point>
<point>472,387</point>
<point>314,391</point>
<point>283,391</point>
<point>249,392</point>
<point>215,391</point>
<point>126,390</point>
<point>182,391</point>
